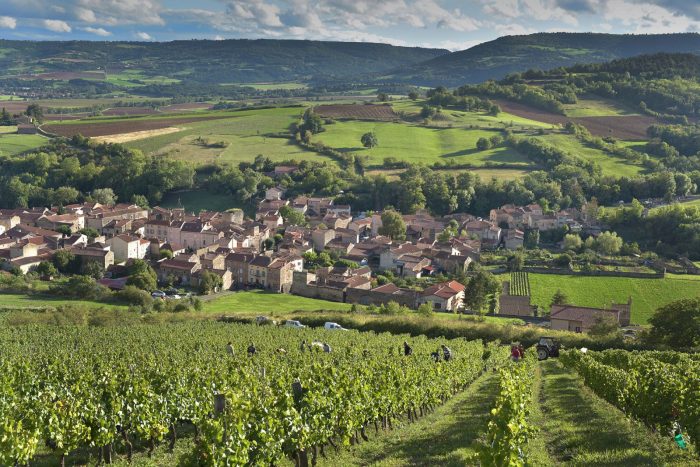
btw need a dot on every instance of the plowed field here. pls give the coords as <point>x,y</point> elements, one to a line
<point>120,127</point>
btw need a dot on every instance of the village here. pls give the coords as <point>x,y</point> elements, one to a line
<point>306,246</point>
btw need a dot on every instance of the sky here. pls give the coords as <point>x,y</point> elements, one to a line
<point>449,24</point>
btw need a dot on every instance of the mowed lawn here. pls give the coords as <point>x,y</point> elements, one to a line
<point>40,301</point>
<point>268,303</point>
<point>417,144</point>
<point>611,165</point>
<point>647,294</point>
<point>11,144</point>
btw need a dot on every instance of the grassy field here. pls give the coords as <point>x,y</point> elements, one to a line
<point>647,294</point>
<point>614,166</point>
<point>245,132</point>
<point>478,119</point>
<point>29,301</point>
<point>269,304</point>
<point>417,144</point>
<point>198,200</point>
<point>14,144</point>
<point>597,107</point>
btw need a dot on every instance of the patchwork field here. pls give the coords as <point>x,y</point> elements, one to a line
<point>626,127</point>
<point>117,126</point>
<point>418,144</point>
<point>647,294</point>
<point>357,111</point>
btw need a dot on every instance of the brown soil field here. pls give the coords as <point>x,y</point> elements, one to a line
<point>187,106</point>
<point>359,111</point>
<point>129,111</point>
<point>66,75</point>
<point>119,127</point>
<point>629,127</point>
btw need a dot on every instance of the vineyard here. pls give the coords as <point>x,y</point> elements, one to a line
<point>78,390</point>
<point>662,389</point>
<point>519,284</point>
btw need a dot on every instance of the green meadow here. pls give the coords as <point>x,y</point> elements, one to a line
<point>268,303</point>
<point>611,165</point>
<point>647,294</point>
<point>11,144</point>
<point>417,144</point>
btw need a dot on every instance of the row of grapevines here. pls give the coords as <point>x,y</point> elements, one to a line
<point>509,431</point>
<point>110,389</point>
<point>644,386</point>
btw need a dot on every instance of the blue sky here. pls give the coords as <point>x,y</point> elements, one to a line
<point>447,24</point>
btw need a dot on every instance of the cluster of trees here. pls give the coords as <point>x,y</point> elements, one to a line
<point>545,98</point>
<point>69,170</point>
<point>443,97</point>
<point>671,230</point>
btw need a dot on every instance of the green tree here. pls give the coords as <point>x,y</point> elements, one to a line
<point>425,309</point>
<point>516,261</point>
<point>563,260</point>
<point>532,238</point>
<point>209,282</point>
<point>478,289</point>
<point>413,95</point>
<point>167,254</point>
<point>103,196</point>
<point>393,225</point>
<point>482,144</point>
<point>65,261</point>
<point>89,232</point>
<point>142,275</point>
<point>133,295</point>
<point>291,216</point>
<point>559,298</point>
<point>572,242</point>
<point>604,325</point>
<point>92,269</point>
<point>46,269</point>
<point>140,201</point>
<point>382,97</point>
<point>677,324</point>
<point>608,243</point>
<point>369,140</point>
<point>36,112</point>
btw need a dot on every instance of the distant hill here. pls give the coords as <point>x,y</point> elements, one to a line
<point>495,59</point>
<point>210,62</point>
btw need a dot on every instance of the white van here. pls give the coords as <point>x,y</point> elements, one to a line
<point>294,324</point>
<point>334,327</point>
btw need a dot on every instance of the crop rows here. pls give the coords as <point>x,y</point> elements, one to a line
<point>509,430</point>
<point>658,388</point>
<point>519,283</point>
<point>107,390</point>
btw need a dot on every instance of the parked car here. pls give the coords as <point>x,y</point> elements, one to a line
<point>294,324</point>
<point>264,321</point>
<point>158,294</point>
<point>334,327</point>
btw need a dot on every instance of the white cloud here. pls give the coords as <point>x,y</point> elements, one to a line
<point>85,14</point>
<point>98,31</point>
<point>648,18</point>
<point>144,36</point>
<point>120,12</point>
<point>454,46</point>
<point>8,22</point>
<point>56,25</point>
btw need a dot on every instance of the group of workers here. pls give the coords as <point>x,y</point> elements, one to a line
<point>443,352</point>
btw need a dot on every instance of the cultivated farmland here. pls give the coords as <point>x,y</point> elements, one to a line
<point>357,111</point>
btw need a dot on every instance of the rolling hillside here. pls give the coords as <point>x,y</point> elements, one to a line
<point>495,59</point>
<point>206,61</point>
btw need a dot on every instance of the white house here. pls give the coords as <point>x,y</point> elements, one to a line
<point>127,247</point>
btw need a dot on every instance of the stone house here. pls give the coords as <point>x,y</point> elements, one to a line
<point>104,257</point>
<point>127,247</point>
<point>180,270</point>
<point>581,319</point>
<point>447,296</point>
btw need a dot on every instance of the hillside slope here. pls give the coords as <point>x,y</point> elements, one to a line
<point>495,59</point>
<point>206,61</point>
